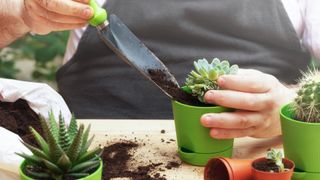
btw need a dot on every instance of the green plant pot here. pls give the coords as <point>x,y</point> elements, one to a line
<point>195,146</point>
<point>97,175</point>
<point>305,176</point>
<point>300,141</point>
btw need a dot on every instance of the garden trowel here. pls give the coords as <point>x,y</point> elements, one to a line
<point>117,36</point>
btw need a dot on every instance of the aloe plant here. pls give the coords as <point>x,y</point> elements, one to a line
<point>205,76</point>
<point>306,105</point>
<point>63,151</point>
<point>276,156</point>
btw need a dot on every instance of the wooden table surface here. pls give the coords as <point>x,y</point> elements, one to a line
<point>157,147</point>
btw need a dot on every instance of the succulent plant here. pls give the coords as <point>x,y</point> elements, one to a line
<point>306,105</point>
<point>205,76</point>
<point>276,156</point>
<point>62,153</point>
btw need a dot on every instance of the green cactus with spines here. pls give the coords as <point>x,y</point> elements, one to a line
<point>205,76</point>
<point>306,105</point>
<point>63,152</point>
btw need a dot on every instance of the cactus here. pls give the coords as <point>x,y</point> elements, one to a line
<point>63,152</point>
<point>276,157</point>
<point>205,77</point>
<point>306,105</point>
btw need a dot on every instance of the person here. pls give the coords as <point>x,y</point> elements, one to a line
<point>274,37</point>
<point>18,17</point>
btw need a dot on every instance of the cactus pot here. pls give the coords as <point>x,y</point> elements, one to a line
<point>226,168</point>
<point>263,175</point>
<point>97,175</point>
<point>195,146</point>
<point>300,141</point>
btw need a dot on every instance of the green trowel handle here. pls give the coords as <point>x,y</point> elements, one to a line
<point>99,16</point>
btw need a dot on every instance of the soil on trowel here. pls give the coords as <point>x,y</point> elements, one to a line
<point>177,94</point>
<point>117,158</point>
<point>17,117</point>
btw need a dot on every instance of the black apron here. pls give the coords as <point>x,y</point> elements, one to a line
<point>256,34</point>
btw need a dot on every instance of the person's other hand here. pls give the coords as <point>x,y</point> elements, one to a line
<point>40,97</point>
<point>44,16</point>
<point>256,96</point>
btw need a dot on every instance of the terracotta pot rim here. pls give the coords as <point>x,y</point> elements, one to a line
<point>265,172</point>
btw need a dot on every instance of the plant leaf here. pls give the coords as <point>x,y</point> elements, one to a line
<point>40,141</point>
<point>75,147</point>
<point>84,165</point>
<point>73,128</point>
<point>64,162</point>
<point>36,151</point>
<point>89,154</point>
<point>53,126</point>
<point>64,140</point>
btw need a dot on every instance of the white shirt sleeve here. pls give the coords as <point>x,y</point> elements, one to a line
<point>311,33</point>
<point>74,39</point>
<point>303,14</point>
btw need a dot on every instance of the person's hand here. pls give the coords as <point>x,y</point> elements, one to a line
<point>44,16</point>
<point>40,97</point>
<point>257,98</point>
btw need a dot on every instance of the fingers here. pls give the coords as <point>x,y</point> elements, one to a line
<point>239,100</point>
<point>54,17</point>
<point>234,120</point>
<point>82,1</point>
<point>43,26</point>
<point>231,133</point>
<point>68,7</point>
<point>258,83</point>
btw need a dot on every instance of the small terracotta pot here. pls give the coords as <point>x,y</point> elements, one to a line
<point>228,169</point>
<point>263,175</point>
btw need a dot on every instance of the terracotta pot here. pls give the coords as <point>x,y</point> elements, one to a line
<point>228,169</point>
<point>263,175</point>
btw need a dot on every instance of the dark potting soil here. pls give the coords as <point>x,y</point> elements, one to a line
<point>17,117</point>
<point>177,94</point>
<point>267,166</point>
<point>116,159</point>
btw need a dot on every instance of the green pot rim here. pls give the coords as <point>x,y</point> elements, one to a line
<point>87,177</point>
<point>200,107</point>
<point>289,118</point>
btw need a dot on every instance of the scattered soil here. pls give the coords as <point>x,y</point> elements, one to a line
<point>267,166</point>
<point>172,164</point>
<point>116,158</point>
<point>160,77</point>
<point>163,131</point>
<point>17,117</point>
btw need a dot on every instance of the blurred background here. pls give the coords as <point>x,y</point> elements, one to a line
<point>34,58</point>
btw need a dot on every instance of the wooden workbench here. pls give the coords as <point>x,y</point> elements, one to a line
<point>157,147</point>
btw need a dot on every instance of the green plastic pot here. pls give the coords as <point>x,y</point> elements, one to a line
<point>305,176</point>
<point>97,175</point>
<point>195,146</point>
<point>300,141</point>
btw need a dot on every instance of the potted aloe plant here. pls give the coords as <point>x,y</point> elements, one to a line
<point>272,167</point>
<point>62,153</point>
<point>195,146</point>
<point>300,124</point>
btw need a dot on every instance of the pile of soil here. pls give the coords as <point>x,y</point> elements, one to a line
<point>267,166</point>
<point>116,158</point>
<point>17,117</point>
<point>160,77</point>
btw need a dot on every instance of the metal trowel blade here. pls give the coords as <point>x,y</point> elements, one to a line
<point>117,36</point>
